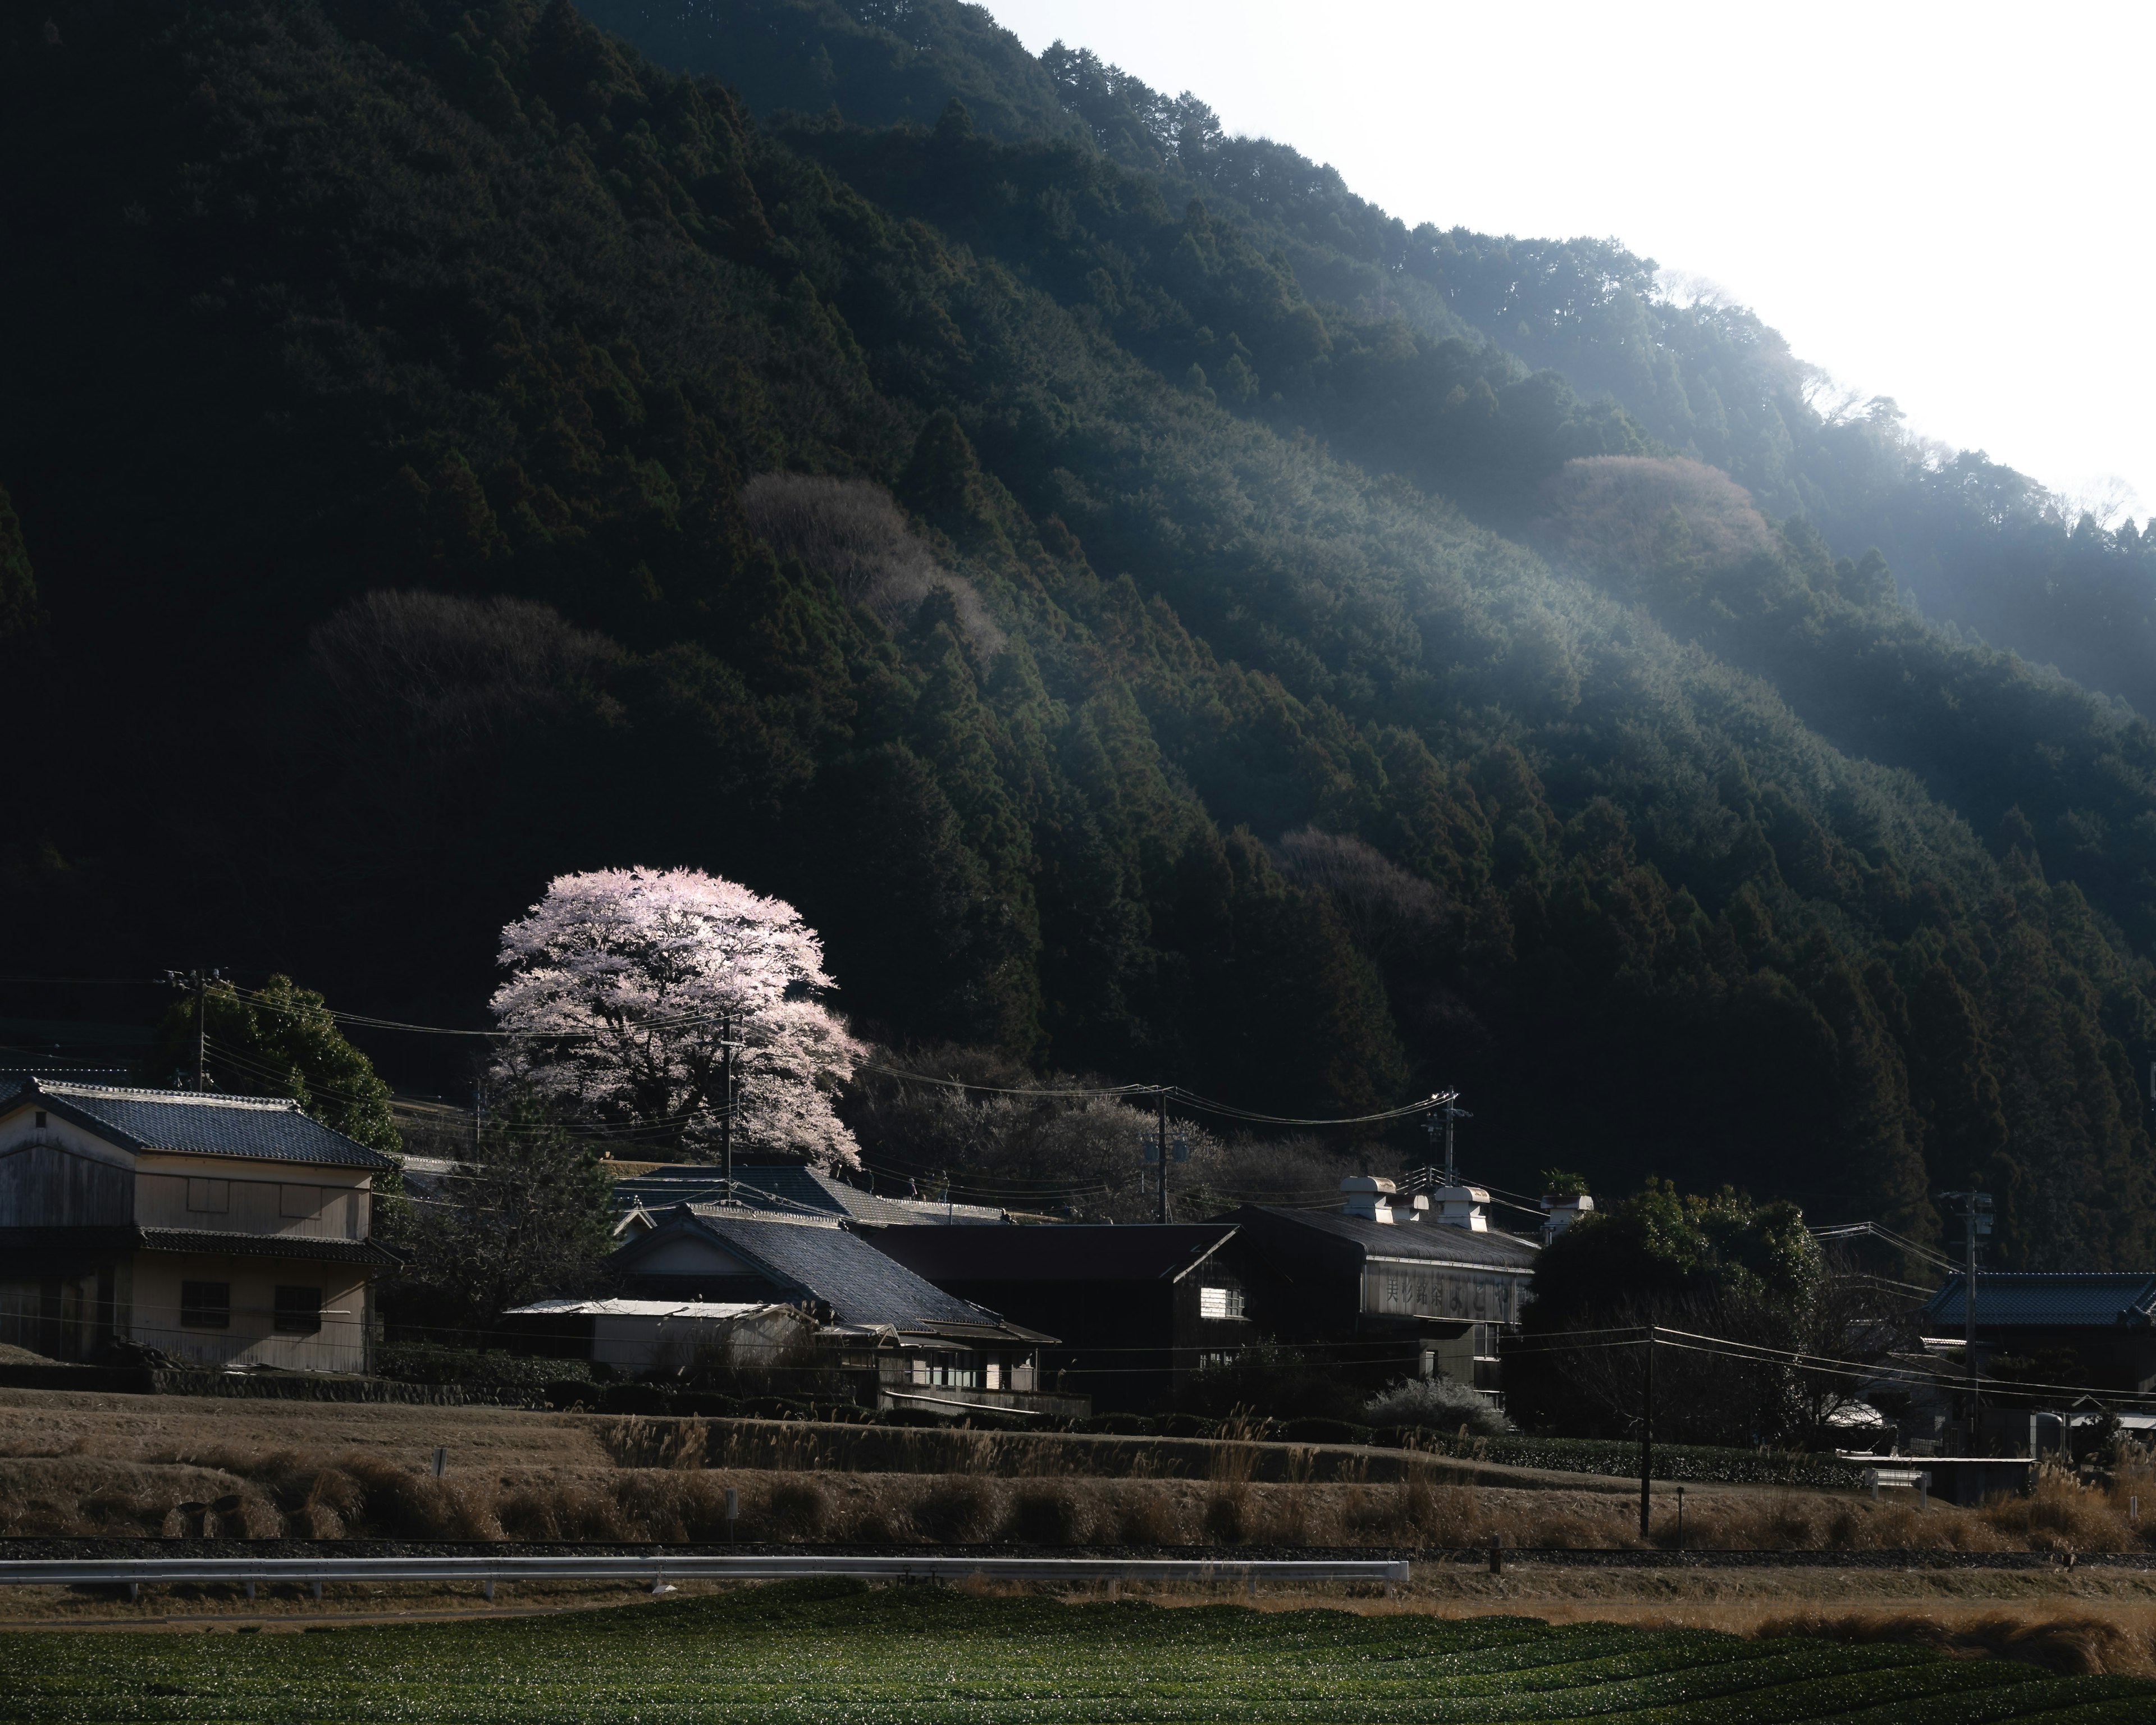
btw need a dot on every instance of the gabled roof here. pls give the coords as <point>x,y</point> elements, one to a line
<point>189,1123</point>
<point>1082,1251</point>
<point>788,1188</point>
<point>1430,1242</point>
<point>2049,1299</point>
<point>816,1260</point>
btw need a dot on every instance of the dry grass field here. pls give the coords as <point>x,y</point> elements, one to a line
<point>80,1465</point>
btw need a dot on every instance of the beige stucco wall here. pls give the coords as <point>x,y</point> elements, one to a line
<point>259,1196</point>
<point>154,1315</point>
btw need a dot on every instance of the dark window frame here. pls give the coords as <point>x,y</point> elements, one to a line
<point>203,1309</point>
<point>298,1312</point>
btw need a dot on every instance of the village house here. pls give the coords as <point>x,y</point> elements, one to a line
<point>893,1338</point>
<point>1388,1287</point>
<point>1139,1309</point>
<point>221,1230</point>
<point>2095,1329</point>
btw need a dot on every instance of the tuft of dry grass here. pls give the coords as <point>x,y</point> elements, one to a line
<point>2068,1645</point>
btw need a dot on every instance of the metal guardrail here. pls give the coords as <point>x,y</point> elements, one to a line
<point>661,1571</point>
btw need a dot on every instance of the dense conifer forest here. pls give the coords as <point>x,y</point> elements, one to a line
<point>1154,613</point>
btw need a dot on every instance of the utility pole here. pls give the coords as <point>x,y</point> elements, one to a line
<point>1449,1113</point>
<point>1976,1222</point>
<point>197,982</point>
<point>1162,1095</point>
<point>1647,1436</point>
<point>727,1044</point>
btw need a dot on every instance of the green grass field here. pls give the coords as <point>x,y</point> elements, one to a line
<point>838,1652</point>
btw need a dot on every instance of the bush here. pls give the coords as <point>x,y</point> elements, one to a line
<point>1620,1459</point>
<point>635,1398</point>
<point>1324,1431</point>
<point>1044,1515</point>
<point>472,1368</point>
<point>1268,1379</point>
<point>1438,1403</point>
<point>1116,1425</point>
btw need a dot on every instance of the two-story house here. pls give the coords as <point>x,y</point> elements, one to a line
<point>220,1229</point>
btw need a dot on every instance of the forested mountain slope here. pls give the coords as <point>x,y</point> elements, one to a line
<point>453,449</point>
<point>1975,543</point>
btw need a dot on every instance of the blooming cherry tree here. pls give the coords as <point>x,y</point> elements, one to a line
<point>624,984</point>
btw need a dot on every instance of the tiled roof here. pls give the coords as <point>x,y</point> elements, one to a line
<point>257,1128</point>
<point>787,1187</point>
<point>2045,1299</point>
<point>218,1243</point>
<point>826,1262</point>
<point>1066,1252</point>
<point>1431,1242</point>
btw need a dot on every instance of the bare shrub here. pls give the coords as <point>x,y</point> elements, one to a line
<point>1437,1402</point>
<point>1632,517</point>
<point>440,684</point>
<point>1387,911</point>
<point>1227,1512</point>
<point>1149,1518</point>
<point>1042,1515</point>
<point>956,1510</point>
<point>2062,1514</point>
<point>798,1509</point>
<point>851,532</point>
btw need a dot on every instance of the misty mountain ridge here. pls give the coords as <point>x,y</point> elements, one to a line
<point>1102,571</point>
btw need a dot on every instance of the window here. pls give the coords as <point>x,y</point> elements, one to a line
<point>299,1312</point>
<point>304,1201</point>
<point>995,1375</point>
<point>206,1305</point>
<point>212,1197</point>
<point>41,1120</point>
<point>1216,1361</point>
<point>1219,1302</point>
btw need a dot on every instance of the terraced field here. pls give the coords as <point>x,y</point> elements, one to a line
<point>838,1652</point>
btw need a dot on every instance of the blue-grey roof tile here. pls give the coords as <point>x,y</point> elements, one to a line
<point>787,1189</point>
<point>261,1128</point>
<point>2048,1299</point>
<point>831,1264</point>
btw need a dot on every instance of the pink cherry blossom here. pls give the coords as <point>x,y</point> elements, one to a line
<point>622,985</point>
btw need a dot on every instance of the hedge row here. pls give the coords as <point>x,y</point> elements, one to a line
<point>1697,1463</point>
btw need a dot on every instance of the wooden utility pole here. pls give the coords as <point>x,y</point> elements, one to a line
<point>196,982</point>
<point>727,1047</point>
<point>1976,1222</point>
<point>1162,1205</point>
<point>1647,1437</point>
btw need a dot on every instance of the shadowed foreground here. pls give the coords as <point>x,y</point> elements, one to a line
<point>839,1651</point>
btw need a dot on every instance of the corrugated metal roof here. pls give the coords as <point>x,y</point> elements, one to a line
<point>1428,1241</point>
<point>1072,1252</point>
<point>715,1309</point>
<point>256,1129</point>
<point>783,1188</point>
<point>2049,1299</point>
<point>826,1262</point>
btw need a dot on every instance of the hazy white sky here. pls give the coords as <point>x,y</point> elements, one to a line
<point>1948,204</point>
